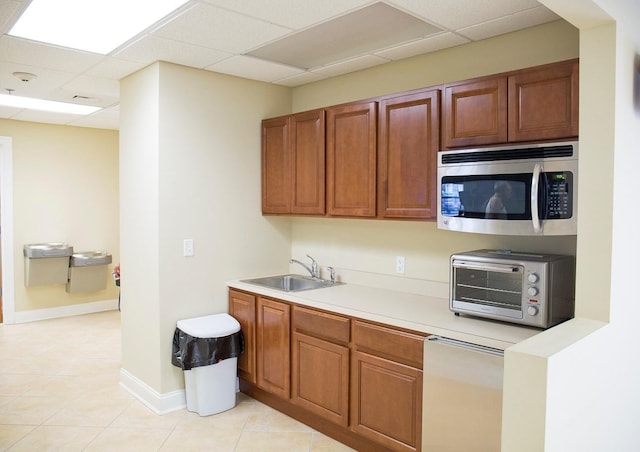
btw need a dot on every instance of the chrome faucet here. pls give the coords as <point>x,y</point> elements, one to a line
<point>313,270</point>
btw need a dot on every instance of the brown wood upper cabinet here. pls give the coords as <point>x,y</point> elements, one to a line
<point>533,104</point>
<point>293,164</point>
<point>351,160</point>
<point>475,112</point>
<point>276,165</point>
<point>408,143</point>
<point>543,102</point>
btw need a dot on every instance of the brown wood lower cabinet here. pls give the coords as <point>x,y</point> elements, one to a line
<point>353,380</point>
<point>273,343</point>
<point>386,402</point>
<point>320,364</point>
<point>242,306</point>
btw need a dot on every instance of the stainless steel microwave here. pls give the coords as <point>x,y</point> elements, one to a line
<point>510,190</point>
<point>530,289</point>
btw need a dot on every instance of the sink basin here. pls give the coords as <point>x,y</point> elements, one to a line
<point>291,283</point>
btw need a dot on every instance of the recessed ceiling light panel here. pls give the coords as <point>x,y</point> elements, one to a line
<point>97,26</point>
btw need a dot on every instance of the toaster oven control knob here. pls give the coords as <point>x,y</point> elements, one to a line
<point>533,278</point>
<point>532,291</point>
<point>532,310</point>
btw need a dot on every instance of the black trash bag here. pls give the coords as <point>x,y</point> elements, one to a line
<point>190,352</point>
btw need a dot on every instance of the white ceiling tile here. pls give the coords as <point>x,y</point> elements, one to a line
<point>300,79</point>
<point>508,24</point>
<point>254,68</point>
<point>154,48</point>
<point>458,14</point>
<point>291,13</point>
<point>100,89</point>
<point>216,28</point>
<point>46,81</point>
<point>114,68</point>
<point>9,11</point>
<point>421,46</point>
<point>108,118</point>
<point>18,50</point>
<point>355,64</point>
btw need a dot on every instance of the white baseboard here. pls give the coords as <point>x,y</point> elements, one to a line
<point>65,311</point>
<point>158,403</point>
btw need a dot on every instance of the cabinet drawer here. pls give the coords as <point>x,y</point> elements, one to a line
<point>399,346</point>
<point>321,324</point>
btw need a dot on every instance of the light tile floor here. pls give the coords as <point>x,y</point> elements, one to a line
<point>59,391</point>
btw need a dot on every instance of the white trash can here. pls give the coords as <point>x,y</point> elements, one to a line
<point>209,388</point>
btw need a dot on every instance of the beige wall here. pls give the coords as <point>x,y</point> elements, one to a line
<point>65,188</point>
<point>190,169</point>
<point>369,247</point>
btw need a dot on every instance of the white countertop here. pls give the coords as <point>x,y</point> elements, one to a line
<point>405,310</point>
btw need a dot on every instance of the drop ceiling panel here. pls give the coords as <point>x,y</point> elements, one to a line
<point>42,86</point>
<point>421,46</point>
<point>103,91</point>
<point>155,48</point>
<point>301,79</point>
<point>508,24</point>
<point>216,28</point>
<point>253,68</point>
<point>18,50</point>
<point>114,68</point>
<point>355,64</point>
<point>293,14</point>
<point>9,10</point>
<point>108,117</point>
<point>354,34</point>
<point>456,14</point>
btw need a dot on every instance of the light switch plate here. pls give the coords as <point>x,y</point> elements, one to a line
<point>188,247</point>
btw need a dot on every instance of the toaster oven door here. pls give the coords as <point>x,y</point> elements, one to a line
<point>488,289</point>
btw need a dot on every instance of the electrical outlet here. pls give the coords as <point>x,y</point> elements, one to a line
<point>188,247</point>
<point>400,264</point>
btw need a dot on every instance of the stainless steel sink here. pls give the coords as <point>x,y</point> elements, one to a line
<point>291,283</point>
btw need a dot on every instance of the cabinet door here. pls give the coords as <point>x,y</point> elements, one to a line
<point>242,306</point>
<point>543,103</point>
<point>475,112</point>
<point>273,347</point>
<point>276,166</point>
<point>307,144</point>
<point>408,145</point>
<point>386,402</point>
<point>351,160</point>
<point>320,363</point>
<point>320,380</point>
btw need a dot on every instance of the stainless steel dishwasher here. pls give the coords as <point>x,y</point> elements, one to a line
<point>462,396</point>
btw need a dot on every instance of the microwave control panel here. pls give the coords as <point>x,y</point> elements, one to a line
<point>558,200</point>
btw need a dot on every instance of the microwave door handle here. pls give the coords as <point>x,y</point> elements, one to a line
<point>535,215</point>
